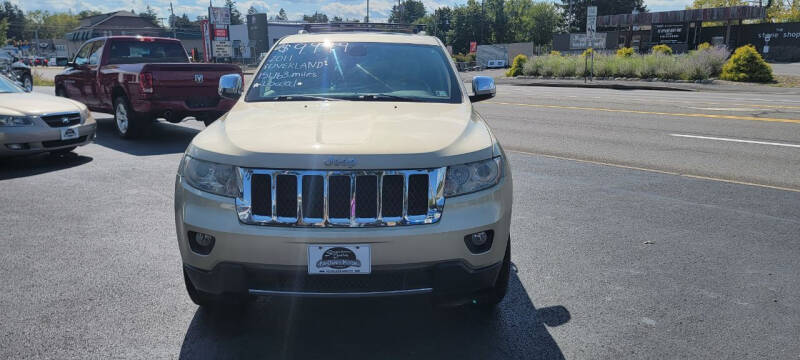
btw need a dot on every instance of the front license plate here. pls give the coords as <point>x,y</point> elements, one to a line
<point>69,133</point>
<point>339,259</point>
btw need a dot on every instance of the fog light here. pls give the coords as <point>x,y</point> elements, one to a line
<point>17,146</point>
<point>479,242</point>
<point>201,243</point>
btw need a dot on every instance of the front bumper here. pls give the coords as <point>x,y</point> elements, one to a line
<point>42,138</point>
<point>239,243</point>
<point>450,281</point>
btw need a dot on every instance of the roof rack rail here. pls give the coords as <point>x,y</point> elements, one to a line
<point>355,26</point>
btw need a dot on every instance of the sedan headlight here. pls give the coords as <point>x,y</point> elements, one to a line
<point>472,177</point>
<point>8,120</point>
<point>211,177</point>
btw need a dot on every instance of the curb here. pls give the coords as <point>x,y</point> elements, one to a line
<point>596,85</point>
<point>715,85</point>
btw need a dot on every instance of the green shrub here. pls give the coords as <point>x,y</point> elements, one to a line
<point>517,65</point>
<point>625,52</point>
<point>703,64</point>
<point>533,67</point>
<point>746,64</point>
<point>604,66</point>
<point>555,53</point>
<point>704,46</point>
<point>626,67</point>
<point>464,57</point>
<point>662,49</point>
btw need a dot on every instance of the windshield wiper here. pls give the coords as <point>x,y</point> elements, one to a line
<point>388,97</point>
<point>303,98</point>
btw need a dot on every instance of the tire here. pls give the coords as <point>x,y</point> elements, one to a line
<point>27,82</point>
<point>60,92</point>
<point>211,301</point>
<point>494,295</point>
<point>128,123</point>
<point>63,151</point>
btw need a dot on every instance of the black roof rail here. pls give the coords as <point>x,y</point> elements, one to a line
<point>355,26</point>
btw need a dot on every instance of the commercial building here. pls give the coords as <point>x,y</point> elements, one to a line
<point>683,30</point>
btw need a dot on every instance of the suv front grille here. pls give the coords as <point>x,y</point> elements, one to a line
<point>358,198</point>
<point>62,120</point>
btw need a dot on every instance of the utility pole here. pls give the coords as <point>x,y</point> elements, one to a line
<point>367,17</point>
<point>483,16</point>
<point>172,19</point>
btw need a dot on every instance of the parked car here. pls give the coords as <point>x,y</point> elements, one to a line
<point>355,165</point>
<point>33,123</point>
<point>140,79</point>
<point>16,70</point>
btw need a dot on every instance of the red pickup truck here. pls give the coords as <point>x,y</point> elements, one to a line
<point>140,79</point>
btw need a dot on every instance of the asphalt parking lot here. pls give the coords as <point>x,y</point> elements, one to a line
<point>627,243</point>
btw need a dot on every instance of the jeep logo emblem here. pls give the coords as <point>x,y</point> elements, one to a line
<point>198,78</point>
<point>341,162</point>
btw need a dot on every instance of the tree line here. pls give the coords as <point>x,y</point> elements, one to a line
<point>485,21</point>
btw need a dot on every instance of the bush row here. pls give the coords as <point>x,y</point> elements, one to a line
<point>697,65</point>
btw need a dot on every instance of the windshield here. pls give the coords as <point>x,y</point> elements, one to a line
<point>7,86</point>
<point>356,71</point>
<point>137,52</point>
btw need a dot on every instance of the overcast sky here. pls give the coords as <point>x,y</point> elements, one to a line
<point>379,9</point>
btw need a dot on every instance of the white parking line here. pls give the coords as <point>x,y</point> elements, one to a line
<point>736,140</point>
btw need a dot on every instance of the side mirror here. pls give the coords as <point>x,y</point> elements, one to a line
<point>230,86</point>
<point>482,88</point>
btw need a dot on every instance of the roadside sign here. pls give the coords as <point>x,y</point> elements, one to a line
<point>223,48</point>
<point>473,46</point>
<point>221,33</point>
<point>591,20</point>
<point>219,15</point>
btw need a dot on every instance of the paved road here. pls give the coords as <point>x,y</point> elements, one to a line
<point>735,136</point>
<point>786,68</point>
<point>610,262</point>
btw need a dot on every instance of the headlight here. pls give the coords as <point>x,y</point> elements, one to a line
<point>211,177</point>
<point>472,177</point>
<point>8,120</point>
<point>85,114</point>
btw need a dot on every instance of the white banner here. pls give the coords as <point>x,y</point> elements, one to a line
<point>223,48</point>
<point>581,41</point>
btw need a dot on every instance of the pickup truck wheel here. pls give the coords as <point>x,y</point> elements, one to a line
<point>60,92</point>
<point>128,123</point>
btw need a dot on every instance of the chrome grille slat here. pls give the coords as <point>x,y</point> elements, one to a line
<point>435,196</point>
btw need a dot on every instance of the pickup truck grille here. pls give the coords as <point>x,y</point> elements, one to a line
<point>62,120</point>
<point>357,198</point>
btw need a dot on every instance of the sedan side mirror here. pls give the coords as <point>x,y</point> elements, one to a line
<point>230,86</point>
<point>482,88</point>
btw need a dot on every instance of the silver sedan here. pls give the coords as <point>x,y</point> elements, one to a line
<point>33,123</point>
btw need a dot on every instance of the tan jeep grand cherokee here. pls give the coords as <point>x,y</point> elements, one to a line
<point>353,166</point>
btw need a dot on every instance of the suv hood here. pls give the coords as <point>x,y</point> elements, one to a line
<point>376,135</point>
